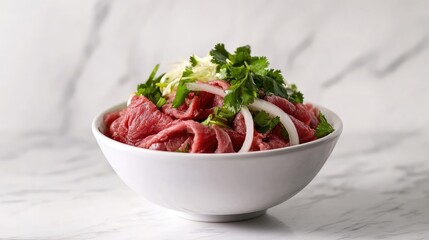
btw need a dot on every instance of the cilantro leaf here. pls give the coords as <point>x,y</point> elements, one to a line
<point>259,65</point>
<point>151,90</point>
<point>231,103</point>
<point>276,75</point>
<point>264,122</point>
<point>215,120</point>
<point>225,113</point>
<point>296,97</point>
<point>249,92</point>
<point>188,72</point>
<point>324,128</point>
<point>271,86</point>
<point>293,87</point>
<point>241,55</point>
<point>241,92</point>
<point>219,54</point>
<point>193,60</point>
<point>237,72</point>
<point>248,75</point>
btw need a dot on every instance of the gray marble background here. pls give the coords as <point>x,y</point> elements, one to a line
<point>62,62</point>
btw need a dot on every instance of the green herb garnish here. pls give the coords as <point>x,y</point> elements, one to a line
<point>263,121</point>
<point>216,119</point>
<point>324,128</point>
<point>247,75</point>
<point>150,89</point>
<point>193,60</point>
<point>182,91</point>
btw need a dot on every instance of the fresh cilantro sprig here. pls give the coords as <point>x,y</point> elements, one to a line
<point>193,60</point>
<point>249,75</point>
<point>324,128</point>
<point>216,119</point>
<point>263,121</point>
<point>151,90</point>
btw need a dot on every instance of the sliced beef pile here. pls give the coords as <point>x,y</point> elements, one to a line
<point>196,107</point>
<point>185,136</point>
<point>224,143</point>
<point>139,120</point>
<point>142,124</point>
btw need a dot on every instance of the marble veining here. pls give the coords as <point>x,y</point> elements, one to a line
<point>101,11</point>
<point>61,62</point>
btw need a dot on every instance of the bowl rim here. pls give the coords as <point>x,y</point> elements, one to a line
<point>331,116</point>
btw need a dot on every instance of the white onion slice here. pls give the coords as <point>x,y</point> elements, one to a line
<point>248,121</point>
<point>206,88</point>
<point>274,111</point>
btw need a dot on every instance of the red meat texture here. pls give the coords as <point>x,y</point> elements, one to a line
<point>143,125</point>
<point>139,120</point>
<point>196,107</point>
<point>183,136</point>
<point>300,115</point>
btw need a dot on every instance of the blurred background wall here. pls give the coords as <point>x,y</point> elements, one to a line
<point>62,62</point>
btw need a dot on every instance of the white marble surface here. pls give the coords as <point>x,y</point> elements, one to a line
<point>63,61</point>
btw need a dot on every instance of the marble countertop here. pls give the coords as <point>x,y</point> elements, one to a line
<point>373,187</point>
<point>62,62</point>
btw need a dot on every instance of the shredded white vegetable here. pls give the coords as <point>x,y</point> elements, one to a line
<point>204,71</point>
<point>172,77</point>
<point>248,121</point>
<point>274,111</point>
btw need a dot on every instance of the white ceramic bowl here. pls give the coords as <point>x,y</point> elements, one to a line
<point>218,187</point>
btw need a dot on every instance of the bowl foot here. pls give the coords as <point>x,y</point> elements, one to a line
<point>220,218</point>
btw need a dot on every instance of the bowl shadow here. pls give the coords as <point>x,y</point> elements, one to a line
<point>265,223</point>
